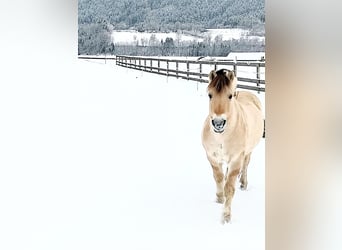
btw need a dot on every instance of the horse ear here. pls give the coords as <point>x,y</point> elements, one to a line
<point>232,79</point>
<point>230,75</point>
<point>212,75</point>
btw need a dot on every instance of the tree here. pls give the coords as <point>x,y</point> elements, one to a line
<point>93,39</point>
<point>168,47</point>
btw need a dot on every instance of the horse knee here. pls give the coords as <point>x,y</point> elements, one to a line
<point>229,187</point>
<point>218,175</point>
<point>229,191</point>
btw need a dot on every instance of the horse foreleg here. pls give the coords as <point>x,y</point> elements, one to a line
<point>219,179</point>
<point>229,190</point>
<point>243,177</point>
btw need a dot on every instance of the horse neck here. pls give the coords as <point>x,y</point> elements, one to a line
<point>236,115</point>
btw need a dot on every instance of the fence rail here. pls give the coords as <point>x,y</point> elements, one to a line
<point>250,74</point>
<point>102,57</point>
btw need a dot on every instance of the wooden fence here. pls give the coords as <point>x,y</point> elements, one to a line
<point>184,69</point>
<point>250,74</point>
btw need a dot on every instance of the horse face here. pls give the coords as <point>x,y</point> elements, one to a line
<point>221,98</point>
<point>220,105</point>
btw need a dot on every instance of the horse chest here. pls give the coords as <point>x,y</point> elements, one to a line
<point>219,153</point>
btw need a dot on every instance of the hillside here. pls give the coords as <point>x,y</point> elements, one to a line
<point>173,15</point>
<point>99,19</point>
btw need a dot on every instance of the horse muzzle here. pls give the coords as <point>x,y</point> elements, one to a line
<point>218,124</point>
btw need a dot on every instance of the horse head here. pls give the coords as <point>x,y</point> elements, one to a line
<point>221,92</point>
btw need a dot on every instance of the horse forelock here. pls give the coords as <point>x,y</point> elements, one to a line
<point>219,82</point>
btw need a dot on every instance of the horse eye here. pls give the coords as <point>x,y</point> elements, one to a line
<point>210,96</point>
<point>230,97</point>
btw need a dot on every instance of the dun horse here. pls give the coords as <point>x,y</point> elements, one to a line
<point>232,129</point>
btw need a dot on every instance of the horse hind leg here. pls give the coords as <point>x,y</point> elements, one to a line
<point>243,176</point>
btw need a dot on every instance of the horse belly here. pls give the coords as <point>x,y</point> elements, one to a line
<point>255,130</point>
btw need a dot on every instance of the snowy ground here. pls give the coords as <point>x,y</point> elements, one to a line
<point>146,181</point>
<point>133,36</point>
<point>114,161</point>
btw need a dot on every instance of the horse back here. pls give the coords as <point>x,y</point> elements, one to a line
<point>247,98</point>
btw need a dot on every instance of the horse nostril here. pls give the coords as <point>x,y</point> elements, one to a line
<point>218,123</point>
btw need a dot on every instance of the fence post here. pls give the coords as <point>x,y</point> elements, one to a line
<point>258,77</point>
<point>235,69</point>
<point>158,65</point>
<point>177,69</point>
<point>145,63</point>
<point>200,70</point>
<point>167,67</point>
<point>151,65</point>
<point>187,69</point>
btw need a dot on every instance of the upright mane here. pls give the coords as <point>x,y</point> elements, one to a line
<point>220,79</point>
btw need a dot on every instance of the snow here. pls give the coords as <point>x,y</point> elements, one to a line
<point>227,34</point>
<point>113,160</point>
<point>133,36</point>
<point>246,55</point>
<point>151,184</point>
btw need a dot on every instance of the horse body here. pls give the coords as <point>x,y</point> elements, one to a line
<point>231,131</point>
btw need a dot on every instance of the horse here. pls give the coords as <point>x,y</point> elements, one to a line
<point>232,129</point>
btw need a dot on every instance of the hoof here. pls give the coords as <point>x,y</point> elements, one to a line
<point>243,187</point>
<point>225,218</point>
<point>220,199</point>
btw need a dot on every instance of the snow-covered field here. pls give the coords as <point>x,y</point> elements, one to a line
<point>113,160</point>
<point>144,181</point>
<point>133,36</point>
